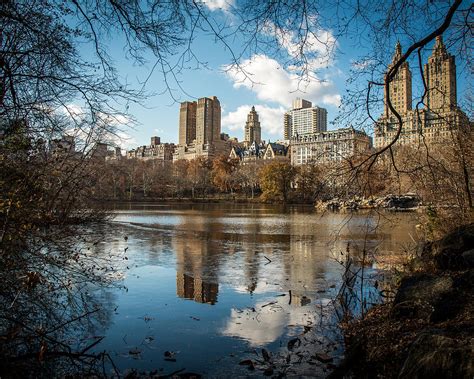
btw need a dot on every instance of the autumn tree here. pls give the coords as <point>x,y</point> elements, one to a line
<point>309,182</point>
<point>199,176</point>
<point>276,179</point>
<point>224,173</point>
<point>250,175</point>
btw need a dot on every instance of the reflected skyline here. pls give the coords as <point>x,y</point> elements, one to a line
<point>220,275</point>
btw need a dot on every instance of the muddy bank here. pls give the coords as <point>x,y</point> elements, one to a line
<point>428,329</point>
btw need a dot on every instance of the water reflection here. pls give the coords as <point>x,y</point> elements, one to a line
<point>196,289</point>
<point>238,264</point>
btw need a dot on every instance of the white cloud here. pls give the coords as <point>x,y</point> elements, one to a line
<point>257,331</point>
<point>271,119</point>
<point>78,113</point>
<point>272,82</point>
<point>123,140</point>
<point>313,50</point>
<point>109,128</point>
<point>218,4</point>
<point>334,99</point>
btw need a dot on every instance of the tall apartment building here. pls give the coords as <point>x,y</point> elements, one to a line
<point>208,120</point>
<point>440,77</point>
<point>439,119</point>
<point>253,131</point>
<point>200,130</point>
<point>187,122</point>
<point>304,119</point>
<point>400,87</point>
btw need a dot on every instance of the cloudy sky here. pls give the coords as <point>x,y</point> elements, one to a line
<point>269,83</point>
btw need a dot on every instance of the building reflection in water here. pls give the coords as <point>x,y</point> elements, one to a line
<point>264,252</point>
<point>196,289</point>
<point>197,261</point>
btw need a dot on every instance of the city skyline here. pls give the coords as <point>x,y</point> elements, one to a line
<point>272,87</point>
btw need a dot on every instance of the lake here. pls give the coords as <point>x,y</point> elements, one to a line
<point>208,286</point>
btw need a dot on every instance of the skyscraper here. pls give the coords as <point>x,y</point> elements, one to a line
<point>187,122</point>
<point>440,119</point>
<point>305,119</point>
<point>200,130</point>
<point>208,120</point>
<point>399,87</point>
<point>440,78</point>
<point>253,132</point>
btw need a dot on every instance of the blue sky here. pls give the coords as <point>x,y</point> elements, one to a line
<point>274,86</point>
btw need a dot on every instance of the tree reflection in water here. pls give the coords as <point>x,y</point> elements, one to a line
<point>55,303</point>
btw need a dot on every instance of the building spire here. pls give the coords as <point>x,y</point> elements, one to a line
<point>439,48</point>
<point>398,52</point>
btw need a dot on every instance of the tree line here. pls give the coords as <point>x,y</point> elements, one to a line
<point>436,177</point>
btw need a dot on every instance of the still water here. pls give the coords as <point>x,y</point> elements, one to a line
<point>208,286</point>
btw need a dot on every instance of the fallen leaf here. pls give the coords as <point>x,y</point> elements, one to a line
<point>249,363</point>
<point>324,358</point>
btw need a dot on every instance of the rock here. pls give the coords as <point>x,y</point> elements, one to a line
<point>407,201</point>
<point>450,305</point>
<point>465,281</point>
<point>468,258</point>
<point>249,363</point>
<point>412,310</point>
<point>455,251</point>
<point>423,288</point>
<point>437,356</point>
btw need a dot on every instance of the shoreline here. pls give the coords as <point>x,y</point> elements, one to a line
<point>426,331</point>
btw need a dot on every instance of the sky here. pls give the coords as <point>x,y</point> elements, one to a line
<point>271,86</point>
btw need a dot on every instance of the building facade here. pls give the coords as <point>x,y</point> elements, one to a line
<point>440,77</point>
<point>208,120</point>
<point>156,150</point>
<point>304,119</point>
<point>328,147</point>
<point>259,152</point>
<point>400,87</point>
<point>438,120</point>
<point>207,140</point>
<point>253,131</point>
<point>187,122</point>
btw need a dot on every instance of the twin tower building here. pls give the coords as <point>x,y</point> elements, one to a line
<point>200,123</point>
<point>200,129</point>
<point>436,117</point>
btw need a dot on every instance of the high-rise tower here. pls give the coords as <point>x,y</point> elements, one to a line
<point>399,87</point>
<point>208,120</point>
<point>305,119</point>
<point>440,78</point>
<point>187,122</point>
<point>253,132</point>
<point>439,121</point>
